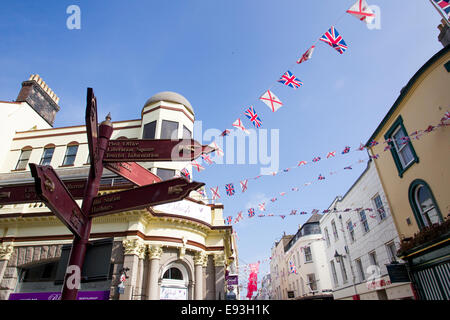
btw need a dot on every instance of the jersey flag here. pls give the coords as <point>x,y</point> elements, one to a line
<point>271,100</point>
<point>361,11</point>
<point>307,55</point>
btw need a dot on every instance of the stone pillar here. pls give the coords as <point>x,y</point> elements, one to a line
<point>199,259</point>
<point>219,266</point>
<point>5,253</point>
<point>133,248</point>
<point>154,253</point>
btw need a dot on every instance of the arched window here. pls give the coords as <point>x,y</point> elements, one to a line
<point>71,153</point>
<point>47,154</point>
<point>423,204</point>
<point>173,274</point>
<point>24,157</point>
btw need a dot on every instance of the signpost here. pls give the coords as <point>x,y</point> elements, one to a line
<point>118,156</point>
<point>154,150</point>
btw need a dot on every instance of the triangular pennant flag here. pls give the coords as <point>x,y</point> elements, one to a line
<point>307,55</point>
<point>271,100</point>
<point>361,11</point>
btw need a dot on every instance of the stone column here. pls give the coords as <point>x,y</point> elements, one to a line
<point>133,248</point>
<point>219,266</point>
<point>5,253</point>
<point>198,265</point>
<point>155,253</point>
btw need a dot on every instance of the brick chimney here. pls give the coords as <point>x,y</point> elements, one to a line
<point>40,97</point>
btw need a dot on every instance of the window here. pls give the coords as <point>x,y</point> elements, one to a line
<point>71,153</point>
<point>149,130</point>
<point>335,233</point>
<point>187,134</point>
<point>23,159</point>
<point>39,273</point>
<point>169,130</point>
<point>351,230</point>
<point>364,223</point>
<point>308,254</point>
<point>379,207</point>
<point>373,258</point>
<point>362,276</point>
<point>298,258</point>
<point>333,272</point>
<point>392,251</point>
<point>327,237</point>
<point>343,270</point>
<point>401,147</point>
<point>47,156</point>
<point>423,204</point>
<point>165,174</point>
<point>312,281</point>
<point>173,273</point>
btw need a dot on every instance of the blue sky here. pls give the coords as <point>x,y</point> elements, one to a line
<point>222,55</point>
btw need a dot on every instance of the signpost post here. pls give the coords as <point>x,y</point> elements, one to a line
<point>118,156</point>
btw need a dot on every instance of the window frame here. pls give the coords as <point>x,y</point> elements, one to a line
<point>362,276</point>
<point>334,273</point>
<point>27,149</point>
<point>47,147</point>
<point>327,236</point>
<point>373,258</point>
<point>412,201</point>
<point>172,136</point>
<point>66,155</point>
<point>309,255</point>
<point>364,222</point>
<point>392,255</point>
<point>351,230</point>
<point>335,231</point>
<point>396,126</point>
<point>147,125</point>
<point>380,216</point>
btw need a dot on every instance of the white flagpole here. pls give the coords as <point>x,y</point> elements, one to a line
<point>441,12</point>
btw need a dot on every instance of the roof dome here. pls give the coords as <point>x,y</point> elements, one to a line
<point>171,97</point>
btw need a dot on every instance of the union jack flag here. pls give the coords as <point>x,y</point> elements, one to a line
<point>251,212</point>
<point>186,173</point>
<point>388,147</point>
<point>375,156</point>
<point>429,129</point>
<point>253,116</point>
<point>314,211</point>
<point>295,189</point>
<point>334,39</point>
<point>261,215</point>
<point>372,143</point>
<point>290,80</point>
<point>292,267</point>
<point>303,212</point>
<point>244,185</point>
<point>346,150</point>
<point>361,11</point>
<point>229,219</point>
<point>348,168</point>
<point>361,147</point>
<point>225,133</point>
<point>271,100</point>
<point>293,212</point>
<point>282,216</point>
<point>444,5</point>
<point>316,159</point>
<point>230,189</point>
<point>282,193</point>
<point>307,55</point>
<point>321,177</point>
<point>273,199</point>
<point>325,211</point>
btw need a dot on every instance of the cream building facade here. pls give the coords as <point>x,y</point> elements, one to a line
<point>179,250</point>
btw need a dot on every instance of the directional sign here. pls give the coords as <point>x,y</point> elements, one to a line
<point>57,197</point>
<point>158,193</point>
<point>133,172</point>
<point>154,150</point>
<point>92,129</point>
<point>26,193</point>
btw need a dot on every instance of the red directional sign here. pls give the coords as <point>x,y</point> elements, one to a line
<point>26,193</point>
<point>154,150</point>
<point>133,172</point>
<point>57,197</point>
<point>92,129</point>
<point>158,193</point>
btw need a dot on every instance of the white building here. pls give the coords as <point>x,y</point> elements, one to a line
<point>178,250</point>
<point>360,239</point>
<point>305,253</point>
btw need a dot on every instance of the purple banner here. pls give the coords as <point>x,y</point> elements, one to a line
<point>82,295</point>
